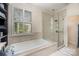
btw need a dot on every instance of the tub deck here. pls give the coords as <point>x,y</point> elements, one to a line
<point>35,47</point>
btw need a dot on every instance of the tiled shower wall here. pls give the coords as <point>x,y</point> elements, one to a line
<point>47,34</point>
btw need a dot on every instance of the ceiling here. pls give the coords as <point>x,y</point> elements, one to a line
<point>50,6</point>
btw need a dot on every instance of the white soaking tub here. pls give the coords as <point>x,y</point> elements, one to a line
<point>27,47</point>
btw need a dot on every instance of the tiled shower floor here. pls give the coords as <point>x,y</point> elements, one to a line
<point>64,52</point>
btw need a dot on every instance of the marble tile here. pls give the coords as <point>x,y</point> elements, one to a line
<point>64,52</point>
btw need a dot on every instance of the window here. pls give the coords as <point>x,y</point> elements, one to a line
<point>21,21</point>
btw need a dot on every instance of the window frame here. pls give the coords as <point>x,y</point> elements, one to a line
<point>13,21</point>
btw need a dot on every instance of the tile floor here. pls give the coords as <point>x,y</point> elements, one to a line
<point>65,51</point>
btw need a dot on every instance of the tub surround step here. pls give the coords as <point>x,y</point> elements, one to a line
<point>39,51</point>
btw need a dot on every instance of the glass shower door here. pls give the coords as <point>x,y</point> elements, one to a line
<point>61,30</point>
<point>55,28</point>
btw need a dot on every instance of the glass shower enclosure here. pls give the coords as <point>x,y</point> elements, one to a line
<point>53,27</point>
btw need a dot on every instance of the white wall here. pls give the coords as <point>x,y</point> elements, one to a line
<point>72,10</point>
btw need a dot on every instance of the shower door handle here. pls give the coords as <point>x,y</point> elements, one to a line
<point>58,31</point>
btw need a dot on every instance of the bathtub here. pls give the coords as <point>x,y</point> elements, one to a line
<point>27,47</point>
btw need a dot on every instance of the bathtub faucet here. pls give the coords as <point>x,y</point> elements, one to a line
<point>12,50</point>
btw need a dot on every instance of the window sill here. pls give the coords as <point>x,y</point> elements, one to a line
<point>23,34</point>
